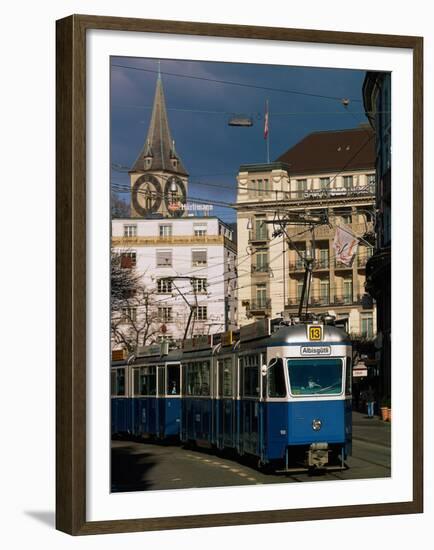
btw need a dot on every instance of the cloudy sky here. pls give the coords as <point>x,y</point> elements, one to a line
<point>201,97</point>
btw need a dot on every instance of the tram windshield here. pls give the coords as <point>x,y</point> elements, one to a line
<point>315,376</point>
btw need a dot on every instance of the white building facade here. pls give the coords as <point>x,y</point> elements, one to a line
<point>185,268</point>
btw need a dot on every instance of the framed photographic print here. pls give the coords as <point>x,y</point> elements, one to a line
<point>227,199</point>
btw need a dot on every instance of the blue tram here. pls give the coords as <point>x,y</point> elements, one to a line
<point>278,391</point>
<point>146,393</point>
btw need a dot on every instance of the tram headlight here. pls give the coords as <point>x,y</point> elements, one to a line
<point>316,425</point>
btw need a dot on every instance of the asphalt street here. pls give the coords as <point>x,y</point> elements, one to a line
<point>139,466</point>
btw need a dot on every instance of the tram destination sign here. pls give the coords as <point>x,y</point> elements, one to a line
<point>315,350</point>
<point>315,333</point>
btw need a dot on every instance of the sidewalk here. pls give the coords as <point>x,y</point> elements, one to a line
<point>373,430</point>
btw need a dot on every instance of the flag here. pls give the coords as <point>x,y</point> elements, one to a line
<point>266,120</point>
<point>345,245</point>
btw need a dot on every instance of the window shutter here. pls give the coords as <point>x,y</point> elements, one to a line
<point>199,256</point>
<point>164,258</point>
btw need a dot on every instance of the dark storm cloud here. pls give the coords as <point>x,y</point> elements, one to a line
<point>208,146</point>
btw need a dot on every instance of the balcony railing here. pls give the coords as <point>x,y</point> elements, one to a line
<point>322,301</point>
<point>322,263</point>
<point>362,260</point>
<point>259,306</point>
<point>340,265</point>
<point>297,266</point>
<point>258,236</point>
<point>325,233</point>
<point>297,195</point>
<point>337,192</point>
<point>260,268</point>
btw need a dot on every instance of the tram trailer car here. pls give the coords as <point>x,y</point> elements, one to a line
<point>281,393</point>
<point>278,392</point>
<point>146,392</point>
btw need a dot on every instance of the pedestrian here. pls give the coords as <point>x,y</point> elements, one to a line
<point>370,401</point>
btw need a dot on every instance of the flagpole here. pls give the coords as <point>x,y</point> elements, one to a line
<point>268,134</point>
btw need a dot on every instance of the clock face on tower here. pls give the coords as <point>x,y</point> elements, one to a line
<point>146,195</point>
<point>175,196</point>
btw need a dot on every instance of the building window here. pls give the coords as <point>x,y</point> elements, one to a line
<point>365,252</point>
<point>166,230</point>
<point>129,315</point>
<point>261,233</point>
<point>371,180</point>
<point>261,296</point>
<point>164,286</point>
<point>128,260</point>
<point>202,313</point>
<point>262,187</point>
<point>200,230</point>
<point>299,289</point>
<point>300,259</point>
<point>261,262</point>
<point>198,257</point>
<point>367,326</point>
<point>164,258</point>
<point>199,285</point>
<point>323,260</point>
<point>324,288</point>
<point>165,314</point>
<point>345,216</point>
<point>324,183</point>
<point>348,291</point>
<point>348,182</point>
<point>130,230</point>
<point>301,187</point>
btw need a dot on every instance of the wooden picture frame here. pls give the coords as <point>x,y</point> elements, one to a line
<point>71,274</point>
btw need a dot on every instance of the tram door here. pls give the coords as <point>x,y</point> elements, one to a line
<point>161,402</point>
<point>226,402</point>
<point>250,403</point>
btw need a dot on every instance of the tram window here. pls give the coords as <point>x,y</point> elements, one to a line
<point>118,382</point>
<point>173,378</point>
<point>315,376</point>
<point>144,381</point>
<point>348,377</point>
<point>161,380</point>
<point>198,378</point>
<point>251,376</point>
<point>276,379</point>
<point>225,377</point>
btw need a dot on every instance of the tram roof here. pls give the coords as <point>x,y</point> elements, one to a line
<point>296,334</point>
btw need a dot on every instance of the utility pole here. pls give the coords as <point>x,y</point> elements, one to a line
<point>193,307</point>
<point>300,218</point>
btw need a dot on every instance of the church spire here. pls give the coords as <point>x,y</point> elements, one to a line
<point>158,152</point>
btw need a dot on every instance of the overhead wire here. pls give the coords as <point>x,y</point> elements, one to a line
<point>234,83</point>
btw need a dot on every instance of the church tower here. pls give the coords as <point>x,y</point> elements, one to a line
<point>158,178</point>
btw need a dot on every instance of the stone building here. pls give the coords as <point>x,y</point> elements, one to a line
<point>377,102</point>
<point>329,173</point>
